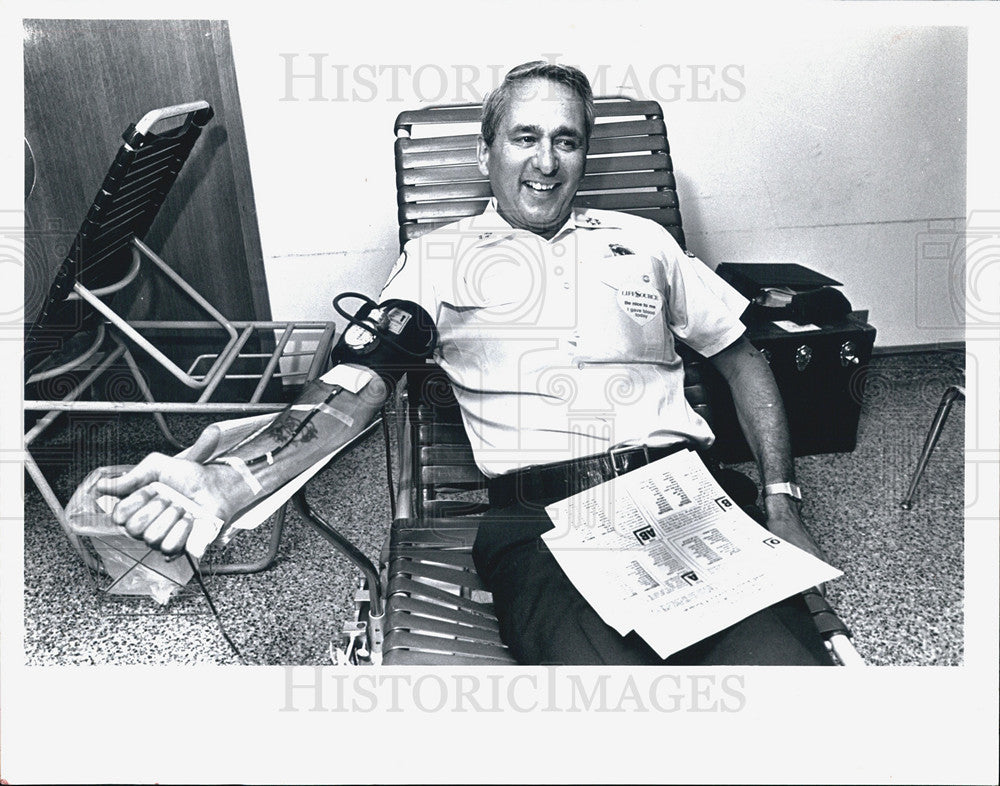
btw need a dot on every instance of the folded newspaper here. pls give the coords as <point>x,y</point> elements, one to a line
<point>665,552</point>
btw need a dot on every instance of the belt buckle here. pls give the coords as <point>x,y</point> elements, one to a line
<point>622,468</point>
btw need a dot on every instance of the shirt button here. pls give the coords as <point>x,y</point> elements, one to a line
<point>565,285</point>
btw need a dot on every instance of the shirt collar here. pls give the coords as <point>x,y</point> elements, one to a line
<point>493,227</point>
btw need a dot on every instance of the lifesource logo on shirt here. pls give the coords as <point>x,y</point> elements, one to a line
<point>640,303</point>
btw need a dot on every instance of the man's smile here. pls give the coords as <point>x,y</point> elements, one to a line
<point>540,188</point>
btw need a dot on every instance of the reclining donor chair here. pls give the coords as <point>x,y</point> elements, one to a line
<point>425,603</point>
<point>78,336</point>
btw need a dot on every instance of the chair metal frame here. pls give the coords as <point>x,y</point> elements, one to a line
<point>436,611</point>
<point>951,394</point>
<point>122,212</point>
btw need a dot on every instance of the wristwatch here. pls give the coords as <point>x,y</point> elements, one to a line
<point>791,489</point>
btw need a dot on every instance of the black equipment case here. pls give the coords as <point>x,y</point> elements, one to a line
<point>821,374</point>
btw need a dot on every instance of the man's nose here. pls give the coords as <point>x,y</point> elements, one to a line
<point>546,160</point>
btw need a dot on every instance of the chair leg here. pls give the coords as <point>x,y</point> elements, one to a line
<point>950,395</point>
<point>265,562</point>
<point>58,511</point>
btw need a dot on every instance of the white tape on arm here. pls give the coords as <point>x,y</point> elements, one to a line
<point>240,466</point>
<point>343,417</point>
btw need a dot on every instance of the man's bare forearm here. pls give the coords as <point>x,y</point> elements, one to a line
<point>762,418</point>
<point>323,418</point>
<point>759,408</point>
<point>222,483</point>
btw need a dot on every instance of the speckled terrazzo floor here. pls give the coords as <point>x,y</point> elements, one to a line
<point>902,592</point>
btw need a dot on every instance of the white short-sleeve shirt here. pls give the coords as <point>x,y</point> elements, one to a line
<point>564,348</point>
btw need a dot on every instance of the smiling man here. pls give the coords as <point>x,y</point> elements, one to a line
<point>533,147</point>
<point>557,327</point>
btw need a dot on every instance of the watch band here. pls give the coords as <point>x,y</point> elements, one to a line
<point>791,489</point>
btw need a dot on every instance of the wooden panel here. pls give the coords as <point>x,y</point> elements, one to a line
<point>85,82</point>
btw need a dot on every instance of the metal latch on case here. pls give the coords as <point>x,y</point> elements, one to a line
<point>802,357</point>
<point>849,354</point>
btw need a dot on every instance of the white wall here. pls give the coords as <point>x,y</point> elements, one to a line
<point>827,142</point>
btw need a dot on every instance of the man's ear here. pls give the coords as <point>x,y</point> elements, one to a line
<point>483,155</point>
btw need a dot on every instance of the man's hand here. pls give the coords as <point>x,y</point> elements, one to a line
<point>154,518</point>
<point>783,520</point>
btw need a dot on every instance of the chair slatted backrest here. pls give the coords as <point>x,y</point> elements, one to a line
<point>628,166</point>
<point>138,181</point>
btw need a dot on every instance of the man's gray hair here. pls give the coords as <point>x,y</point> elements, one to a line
<point>498,100</point>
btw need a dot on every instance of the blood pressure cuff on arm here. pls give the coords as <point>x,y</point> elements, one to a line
<point>389,338</point>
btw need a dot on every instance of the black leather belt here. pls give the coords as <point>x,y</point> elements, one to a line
<point>550,482</point>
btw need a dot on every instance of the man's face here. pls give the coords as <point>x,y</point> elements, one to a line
<point>537,158</point>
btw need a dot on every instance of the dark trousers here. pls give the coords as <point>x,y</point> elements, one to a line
<point>545,620</point>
